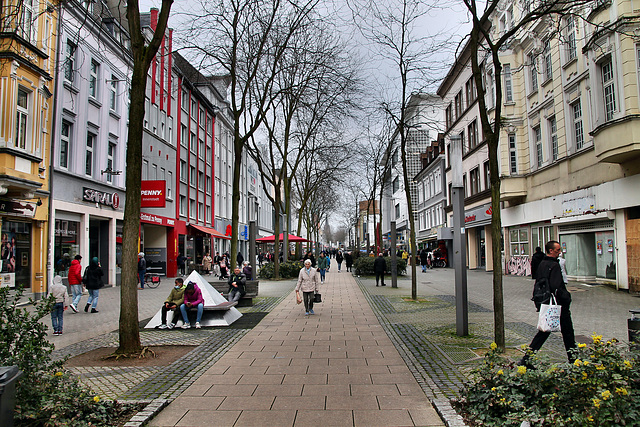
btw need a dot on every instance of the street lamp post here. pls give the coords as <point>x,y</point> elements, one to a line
<point>459,238</point>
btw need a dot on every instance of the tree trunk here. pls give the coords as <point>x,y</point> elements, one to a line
<point>496,238</point>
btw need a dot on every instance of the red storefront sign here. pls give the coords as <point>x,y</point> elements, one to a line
<point>153,194</point>
<point>158,220</point>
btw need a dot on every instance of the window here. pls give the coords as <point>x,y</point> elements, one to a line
<point>192,177</point>
<point>533,72</point>
<point>458,101</point>
<point>208,185</point>
<point>145,169</point>
<point>449,116</point>
<point>185,100</point>
<point>470,88</point>
<point>183,171</point>
<point>608,90</point>
<point>570,37</point>
<point>508,83</point>
<point>69,61</point>
<point>519,240</point>
<point>201,180</point>
<point>88,159</point>
<point>462,144</point>
<point>201,148</point>
<point>578,133</point>
<point>487,175</point>
<point>113,88</point>
<point>183,205</point>
<point>396,184</point>
<point>553,130</point>
<point>491,93</point>
<point>194,109</point>
<point>397,211</point>
<point>154,172</point>
<point>27,29</point>
<point>22,118</point>
<point>548,65</point>
<point>88,5</point>
<point>194,142</point>
<point>169,185</point>
<point>192,209</point>
<point>65,137</point>
<point>474,181</point>
<point>537,137</point>
<point>202,120</point>
<point>208,157</point>
<point>513,155</point>
<point>184,136</point>
<point>200,210</point>
<point>111,153</point>
<point>473,134</point>
<point>94,71</point>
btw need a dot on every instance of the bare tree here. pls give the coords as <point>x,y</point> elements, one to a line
<point>144,47</point>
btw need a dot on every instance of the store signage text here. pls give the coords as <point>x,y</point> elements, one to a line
<point>152,194</point>
<point>155,219</point>
<point>95,196</point>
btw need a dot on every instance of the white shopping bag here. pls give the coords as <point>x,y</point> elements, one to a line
<point>549,316</point>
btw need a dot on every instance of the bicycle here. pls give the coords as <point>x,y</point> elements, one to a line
<point>151,280</point>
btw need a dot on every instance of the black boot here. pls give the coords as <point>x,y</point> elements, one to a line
<point>86,308</point>
<point>93,310</point>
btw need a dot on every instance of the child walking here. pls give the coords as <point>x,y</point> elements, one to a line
<point>59,292</point>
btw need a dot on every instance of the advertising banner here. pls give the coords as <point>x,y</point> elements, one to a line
<point>153,193</point>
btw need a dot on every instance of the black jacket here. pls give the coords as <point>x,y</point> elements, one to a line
<point>348,258</point>
<point>550,268</point>
<point>94,277</point>
<point>536,259</point>
<point>240,280</point>
<point>379,265</point>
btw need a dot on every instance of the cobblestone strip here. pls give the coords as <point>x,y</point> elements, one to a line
<point>420,368</point>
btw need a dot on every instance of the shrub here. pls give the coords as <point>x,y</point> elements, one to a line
<point>364,265</point>
<point>288,270</point>
<point>45,394</point>
<point>601,388</point>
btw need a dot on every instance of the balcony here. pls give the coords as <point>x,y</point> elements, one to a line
<point>618,141</point>
<point>513,187</point>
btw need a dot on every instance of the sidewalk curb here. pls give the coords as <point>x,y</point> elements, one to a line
<point>149,411</point>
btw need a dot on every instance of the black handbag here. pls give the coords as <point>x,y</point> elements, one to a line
<point>317,298</point>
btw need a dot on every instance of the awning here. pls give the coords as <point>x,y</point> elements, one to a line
<point>215,233</point>
<point>272,239</point>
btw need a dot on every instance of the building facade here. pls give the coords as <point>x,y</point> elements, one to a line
<point>28,39</point>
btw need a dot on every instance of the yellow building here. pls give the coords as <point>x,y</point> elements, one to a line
<point>571,142</point>
<point>27,69</point>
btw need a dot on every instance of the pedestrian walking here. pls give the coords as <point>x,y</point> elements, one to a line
<point>550,268</point>
<point>207,261</point>
<point>536,259</point>
<point>75,282</point>
<point>142,269</point>
<point>380,267</point>
<point>348,261</point>
<point>424,260</point>
<point>173,303</point>
<point>59,292</point>
<point>247,270</point>
<point>239,259</point>
<point>93,281</point>
<point>182,260</point>
<point>339,259</point>
<point>323,265</point>
<point>309,284</point>
<point>192,299</point>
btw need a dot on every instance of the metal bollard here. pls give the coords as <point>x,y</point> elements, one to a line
<point>633,325</point>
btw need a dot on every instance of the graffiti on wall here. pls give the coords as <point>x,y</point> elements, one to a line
<point>519,266</point>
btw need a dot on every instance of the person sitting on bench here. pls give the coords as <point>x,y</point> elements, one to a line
<point>173,303</point>
<point>237,282</point>
<point>192,299</point>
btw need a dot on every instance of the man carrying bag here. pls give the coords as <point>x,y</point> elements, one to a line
<point>549,269</point>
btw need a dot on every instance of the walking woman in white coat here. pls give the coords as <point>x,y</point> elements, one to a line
<point>309,284</point>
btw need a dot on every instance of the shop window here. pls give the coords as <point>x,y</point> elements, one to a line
<point>15,252</point>
<point>519,240</point>
<point>65,245</point>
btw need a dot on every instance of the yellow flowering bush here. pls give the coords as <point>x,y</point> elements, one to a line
<point>600,388</point>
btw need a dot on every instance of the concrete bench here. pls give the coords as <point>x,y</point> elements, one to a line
<point>251,289</point>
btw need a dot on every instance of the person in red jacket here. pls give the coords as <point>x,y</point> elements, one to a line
<point>75,281</point>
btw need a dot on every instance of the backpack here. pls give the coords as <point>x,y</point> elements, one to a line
<point>85,276</point>
<point>541,290</point>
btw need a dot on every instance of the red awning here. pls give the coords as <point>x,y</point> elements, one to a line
<point>271,239</point>
<point>215,233</point>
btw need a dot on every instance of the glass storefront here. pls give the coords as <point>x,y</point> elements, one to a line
<point>65,245</point>
<point>590,254</point>
<point>15,253</point>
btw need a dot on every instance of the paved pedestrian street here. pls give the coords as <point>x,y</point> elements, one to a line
<point>369,356</point>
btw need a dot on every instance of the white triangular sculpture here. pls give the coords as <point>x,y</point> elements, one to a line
<point>211,298</point>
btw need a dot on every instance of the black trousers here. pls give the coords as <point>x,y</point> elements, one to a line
<point>566,328</point>
<point>308,298</point>
<point>380,276</point>
<point>173,317</point>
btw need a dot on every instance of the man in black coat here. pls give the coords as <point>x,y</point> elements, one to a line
<point>536,259</point>
<point>380,267</point>
<point>550,268</point>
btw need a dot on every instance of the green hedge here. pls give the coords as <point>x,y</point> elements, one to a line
<point>364,265</point>
<point>288,270</point>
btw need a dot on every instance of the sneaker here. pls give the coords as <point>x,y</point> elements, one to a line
<point>171,325</point>
<point>384,284</point>
<point>306,313</point>
<point>186,326</point>
<point>311,312</point>
<point>163,326</point>
<point>74,308</point>
<point>93,310</point>
<point>198,325</point>
<point>55,333</point>
<point>59,332</point>
<point>86,308</point>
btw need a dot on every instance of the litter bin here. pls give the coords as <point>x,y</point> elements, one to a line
<point>633,325</point>
<point>8,377</point>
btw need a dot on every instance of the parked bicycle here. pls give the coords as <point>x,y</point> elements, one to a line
<point>151,280</point>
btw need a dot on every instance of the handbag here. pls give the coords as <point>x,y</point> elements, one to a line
<point>549,316</point>
<point>317,298</point>
<point>298,298</point>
